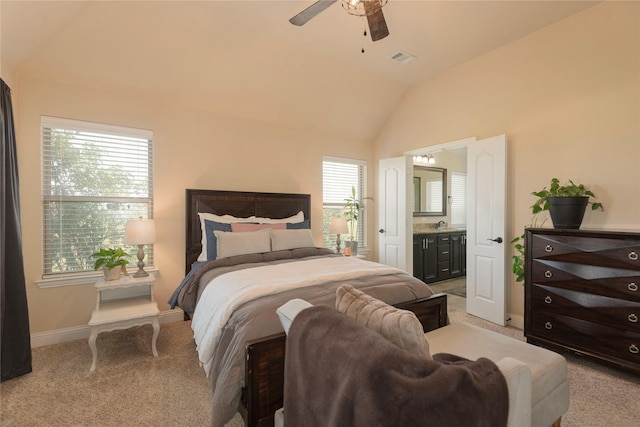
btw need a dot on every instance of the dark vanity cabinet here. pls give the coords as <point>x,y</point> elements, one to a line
<point>582,293</point>
<point>458,244</point>
<point>439,256</point>
<point>425,257</point>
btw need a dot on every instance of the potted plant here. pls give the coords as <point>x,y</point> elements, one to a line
<point>112,262</point>
<point>566,203</point>
<point>353,206</point>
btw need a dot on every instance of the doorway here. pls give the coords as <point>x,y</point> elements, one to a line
<point>485,228</point>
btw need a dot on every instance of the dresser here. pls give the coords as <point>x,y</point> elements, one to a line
<point>582,293</point>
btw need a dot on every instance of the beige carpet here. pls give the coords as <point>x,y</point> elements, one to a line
<point>132,388</point>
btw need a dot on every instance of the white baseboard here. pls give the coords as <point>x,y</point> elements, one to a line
<point>58,336</point>
<point>517,322</point>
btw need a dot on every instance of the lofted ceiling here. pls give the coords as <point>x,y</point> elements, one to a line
<point>243,58</point>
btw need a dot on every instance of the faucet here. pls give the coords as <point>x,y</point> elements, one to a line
<point>440,224</point>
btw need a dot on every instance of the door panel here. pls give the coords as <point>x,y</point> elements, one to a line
<point>486,229</point>
<point>394,244</point>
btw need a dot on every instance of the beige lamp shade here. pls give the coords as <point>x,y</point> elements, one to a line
<point>140,232</point>
<point>338,225</point>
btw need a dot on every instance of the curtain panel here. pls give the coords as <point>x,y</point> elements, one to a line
<point>15,340</point>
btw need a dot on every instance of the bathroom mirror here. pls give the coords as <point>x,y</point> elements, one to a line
<point>429,191</point>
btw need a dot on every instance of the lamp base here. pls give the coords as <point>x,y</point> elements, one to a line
<point>140,272</point>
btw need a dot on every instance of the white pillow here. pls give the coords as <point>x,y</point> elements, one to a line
<point>230,219</point>
<point>291,239</point>
<point>250,242</point>
<point>299,217</point>
<point>225,219</point>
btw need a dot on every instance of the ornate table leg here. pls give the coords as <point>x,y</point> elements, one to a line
<point>92,346</point>
<point>156,331</point>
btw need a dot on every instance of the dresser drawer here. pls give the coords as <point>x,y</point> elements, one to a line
<point>621,253</point>
<point>443,253</point>
<point>614,283</point>
<point>612,312</point>
<point>586,336</point>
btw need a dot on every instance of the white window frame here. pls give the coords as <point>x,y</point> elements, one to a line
<point>136,164</point>
<point>338,202</point>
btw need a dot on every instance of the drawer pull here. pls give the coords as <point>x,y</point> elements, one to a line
<point>445,252</point>
<point>633,349</point>
<point>548,248</point>
<point>632,287</point>
<point>548,299</point>
<point>633,318</point>
<point>548,325</point>
<point>633,256</point>
<point>548,274</point>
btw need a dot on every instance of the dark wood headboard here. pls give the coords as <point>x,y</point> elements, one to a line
<point>237,203</point>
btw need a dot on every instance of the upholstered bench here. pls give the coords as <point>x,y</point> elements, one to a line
<point>536,378</point>
<point>549,382</point>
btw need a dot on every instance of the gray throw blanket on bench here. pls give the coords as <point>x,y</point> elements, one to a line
<point>339,373</point>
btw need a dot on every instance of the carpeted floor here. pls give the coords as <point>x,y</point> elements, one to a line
<point>132,388</point>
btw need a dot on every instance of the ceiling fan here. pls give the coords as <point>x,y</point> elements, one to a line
<point>372,9</point>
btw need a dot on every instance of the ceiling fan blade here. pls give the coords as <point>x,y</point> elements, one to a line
<point>310,12</point>
<point>375,18</point>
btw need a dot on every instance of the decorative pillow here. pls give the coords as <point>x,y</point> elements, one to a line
<point>299,217</point>
<point>252,242</point>
<point>224,219</point>
<point>298,225</point>
<point>291,239</point>
<point>211,242</point>
<point>243,226</point>
<point>401,327</point>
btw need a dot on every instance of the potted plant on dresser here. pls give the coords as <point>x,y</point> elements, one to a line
<point>353,206</point>
<point>112,262</point>
<point>566,203</point>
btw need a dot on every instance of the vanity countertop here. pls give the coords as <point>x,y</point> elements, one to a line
<point>430,229</point>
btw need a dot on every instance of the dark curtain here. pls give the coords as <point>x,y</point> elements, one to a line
<point>15,340</point>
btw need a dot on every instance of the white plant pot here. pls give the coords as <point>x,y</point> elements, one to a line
<point>113,274</point>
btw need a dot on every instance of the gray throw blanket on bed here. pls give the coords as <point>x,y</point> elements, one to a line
<point>339,373</point>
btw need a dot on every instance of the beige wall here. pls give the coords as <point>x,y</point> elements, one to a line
<point>567,97</point>
<point>192,149</point>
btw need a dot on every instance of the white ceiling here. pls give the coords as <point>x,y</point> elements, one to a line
<point>245,59</point>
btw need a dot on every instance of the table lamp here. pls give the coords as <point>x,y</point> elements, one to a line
<point>140,232</point>
<point>338,226</point>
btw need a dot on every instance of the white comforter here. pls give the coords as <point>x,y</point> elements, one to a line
<point>227,292</point>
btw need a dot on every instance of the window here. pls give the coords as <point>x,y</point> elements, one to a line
<point>458,199</point>
<point>94,178</point>
<point>339,176</point>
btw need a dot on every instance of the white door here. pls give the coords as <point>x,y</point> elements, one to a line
<point>394,183</point>
<point>486,229</point>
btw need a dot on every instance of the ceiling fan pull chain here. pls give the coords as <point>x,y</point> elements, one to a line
<point>365,31</point>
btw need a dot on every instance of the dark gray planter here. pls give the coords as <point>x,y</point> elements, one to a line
<point>567,212</point>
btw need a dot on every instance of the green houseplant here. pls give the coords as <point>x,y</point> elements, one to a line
<point>112,262</point>
<point>571,197</point>
<point>353,206</point>
<point>566,203</point>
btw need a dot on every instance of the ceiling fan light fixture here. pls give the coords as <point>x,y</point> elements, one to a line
<point>357,7</point>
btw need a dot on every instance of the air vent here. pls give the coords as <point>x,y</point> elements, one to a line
<point>402,57</point>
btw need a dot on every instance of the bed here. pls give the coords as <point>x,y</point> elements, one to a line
<point>245,359</point>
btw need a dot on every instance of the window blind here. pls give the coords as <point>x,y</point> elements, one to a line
<point>458,198</point>
<point>95,177</point>
<point>339,176</point>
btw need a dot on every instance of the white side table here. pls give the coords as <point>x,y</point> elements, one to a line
<point>123,304</point>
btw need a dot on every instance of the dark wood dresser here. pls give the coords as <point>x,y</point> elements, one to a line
<point>582,293</point>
